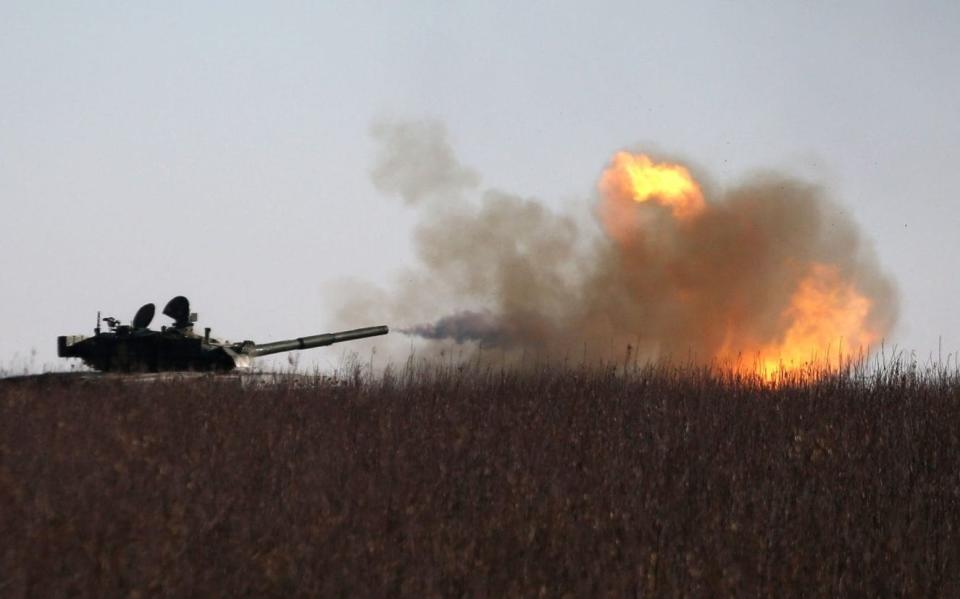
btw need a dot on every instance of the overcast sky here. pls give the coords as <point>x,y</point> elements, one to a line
<point>223,150</point>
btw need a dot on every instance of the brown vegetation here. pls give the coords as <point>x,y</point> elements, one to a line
<point>454,481</point>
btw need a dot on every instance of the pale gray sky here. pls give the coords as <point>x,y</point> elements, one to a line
<point>222,150</point>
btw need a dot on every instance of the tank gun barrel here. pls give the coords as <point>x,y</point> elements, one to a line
<point>264,349</point>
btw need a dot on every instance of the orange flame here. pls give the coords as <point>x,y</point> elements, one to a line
<point>826,324</point>
<point>638,178</point>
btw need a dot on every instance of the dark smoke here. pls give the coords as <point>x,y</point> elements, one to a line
<point>509,271</point>
<point>463,326</point>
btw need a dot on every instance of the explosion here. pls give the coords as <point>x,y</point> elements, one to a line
<point>823,313</point>
<point>767,276</point>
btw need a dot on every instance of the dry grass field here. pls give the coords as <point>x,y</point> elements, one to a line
<point>449,481</point>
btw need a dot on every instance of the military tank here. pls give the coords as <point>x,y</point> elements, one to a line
<point>135,347</point>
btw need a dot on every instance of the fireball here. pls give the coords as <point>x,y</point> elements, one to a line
<point>824,325</point>
<point>638,178</point>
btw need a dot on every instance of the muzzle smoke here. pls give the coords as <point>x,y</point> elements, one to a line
<point>767,271</point>
<point>463,326</point>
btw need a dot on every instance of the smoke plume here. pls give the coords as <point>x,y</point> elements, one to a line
<point>768,266</point>
<point>463,326</point>
<point>417,163</point>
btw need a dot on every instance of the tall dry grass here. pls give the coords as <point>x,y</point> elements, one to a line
<point>449,479</point>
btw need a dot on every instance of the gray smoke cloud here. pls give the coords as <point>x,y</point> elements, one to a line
<point>506,271</point>
<point>417,163</point>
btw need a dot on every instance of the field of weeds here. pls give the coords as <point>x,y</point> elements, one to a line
<point>438,480</point>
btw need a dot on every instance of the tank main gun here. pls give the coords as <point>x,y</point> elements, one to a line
<point>275,347</point>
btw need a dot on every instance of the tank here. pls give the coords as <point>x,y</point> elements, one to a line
<point>135,347</point>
